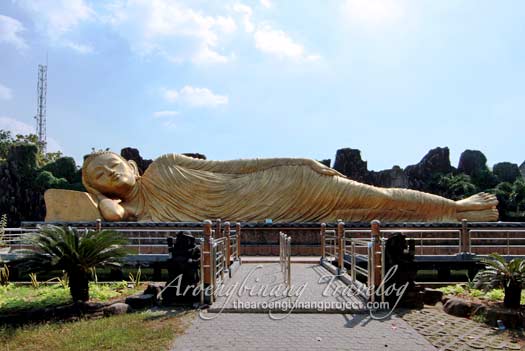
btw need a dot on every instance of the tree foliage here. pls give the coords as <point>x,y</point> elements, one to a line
<point>457,186</point>
<point>25,174</point>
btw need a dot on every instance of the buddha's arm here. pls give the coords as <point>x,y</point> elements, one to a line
<point>251,165</point>
<point>111,209</point>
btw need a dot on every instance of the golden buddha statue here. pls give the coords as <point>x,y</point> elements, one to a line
<point>180,188</point>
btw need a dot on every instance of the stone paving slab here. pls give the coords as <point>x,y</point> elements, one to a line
<point>260,288</point>
<point>243,331</point>
<point>450,333</point>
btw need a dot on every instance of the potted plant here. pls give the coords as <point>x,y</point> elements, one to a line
<point>499,273</point>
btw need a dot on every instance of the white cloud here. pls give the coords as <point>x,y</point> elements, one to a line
<point>10,30</point>
<point>278,43</point>
<point>57,18</point>
<point>171,29</point>
<point>165,113</point>
<point>169,124</point>
<point>266,3</point>
<point>5,93</point>
<point>18,127</point>
<point>167,117</point>
<point>373,13</point>
<point>80,48</point>
<point>246,12</point>
<point>196,97</point>
<point>171,95</point>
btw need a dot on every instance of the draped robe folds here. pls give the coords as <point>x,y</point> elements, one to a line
<point>180,188</point>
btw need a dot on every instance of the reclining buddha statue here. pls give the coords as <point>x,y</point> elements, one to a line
<point>180,188</point>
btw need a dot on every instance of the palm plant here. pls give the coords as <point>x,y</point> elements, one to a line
<point>500,273</point>
<point>74,252</point>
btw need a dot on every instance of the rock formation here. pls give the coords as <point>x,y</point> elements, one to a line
<point>472,162</point>
<point>436,161</point>
<point>133,154</point>
<point>506,171</point>
<point>349,162</point>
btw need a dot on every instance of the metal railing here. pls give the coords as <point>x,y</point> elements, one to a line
<point>285,257</point>
<point>359,262</point>
<point>15,239</point>
<point>233,243</point>
<point>219,250</point>
<point>430,241</point>
<point>507,242</point>
<point>152,241</point>
<point>328,244</point>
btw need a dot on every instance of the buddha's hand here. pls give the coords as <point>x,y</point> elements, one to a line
<point>111,209</point>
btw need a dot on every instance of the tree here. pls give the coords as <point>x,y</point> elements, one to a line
<point>5,142</point>
<point>66,249</point>
<point>64,167</point>
<point>457,186</point>
<point>484,180</point>
<point>505,204</point>
<point>500,274</point>
<point>46,180</point>
<point>517,195</point>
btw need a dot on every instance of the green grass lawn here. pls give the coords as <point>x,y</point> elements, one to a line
<point>14,297</point>
<point>136,331</point>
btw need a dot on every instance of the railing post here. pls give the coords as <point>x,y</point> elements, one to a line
<point>376,252</point>
<point>218,233</point>
<point>323,231</point>
<point>281,251</point>
<point>354,261</point>
<point>207,270</point>
<point>341,248</point>
<point>289,261</point>
<point>238,233</point>
<point>228,243</point>
<point>98,225</point>
<point>465,239</point>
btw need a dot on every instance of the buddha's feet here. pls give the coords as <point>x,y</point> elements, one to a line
<point>478,207</point>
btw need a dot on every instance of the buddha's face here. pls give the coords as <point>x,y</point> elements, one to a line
<point>110,174</point>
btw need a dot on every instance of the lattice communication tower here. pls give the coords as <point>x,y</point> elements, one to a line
<point>41,108</point>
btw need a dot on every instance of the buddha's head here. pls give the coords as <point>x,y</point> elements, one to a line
<point>108,173</point>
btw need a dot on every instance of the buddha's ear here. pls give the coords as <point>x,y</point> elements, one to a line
<point>134,167</point>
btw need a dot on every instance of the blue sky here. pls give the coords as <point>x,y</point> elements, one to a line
<point>269,78</point>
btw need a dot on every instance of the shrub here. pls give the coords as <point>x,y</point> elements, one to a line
<point>500,274</point>
<point>76,253</point>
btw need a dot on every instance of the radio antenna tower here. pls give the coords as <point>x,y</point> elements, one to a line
<point>41,108</point>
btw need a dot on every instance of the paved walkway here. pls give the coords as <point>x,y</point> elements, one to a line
<point>274,259</point>
<point>222,327</point>
<point>260,288</point>
<point>450,333</point>
<point>252,285</point>
<point>246,332</point>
